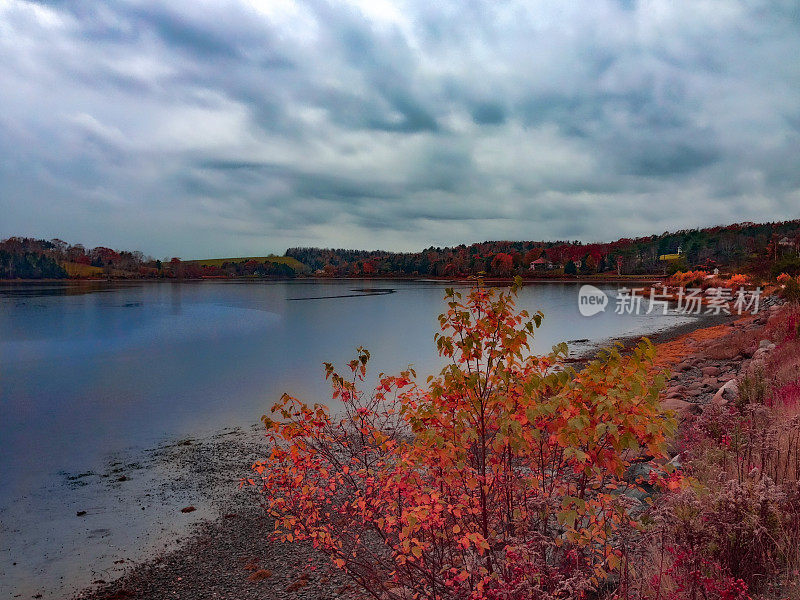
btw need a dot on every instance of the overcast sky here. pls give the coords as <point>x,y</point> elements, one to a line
<point>201,129</point>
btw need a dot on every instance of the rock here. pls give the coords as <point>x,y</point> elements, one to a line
<point>681,408</point>
<point>727,393</point>
<point>81,513</point>
<point>675,461</point>
<point>638,471</point>
<point>675,391</point>
<point>731,390</point>
<point>764,344</point>
<point>711,371</point>
<point>188,509</point>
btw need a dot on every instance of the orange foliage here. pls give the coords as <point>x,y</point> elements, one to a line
<point>502,476</point>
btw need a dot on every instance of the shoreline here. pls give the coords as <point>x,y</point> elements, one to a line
<point>230,556</point>
<point>417,278</point>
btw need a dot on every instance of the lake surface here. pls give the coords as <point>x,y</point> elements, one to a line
<point>92,370</point>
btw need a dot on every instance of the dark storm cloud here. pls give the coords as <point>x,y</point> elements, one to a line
<point>488,113</point>
<point>244,126</point>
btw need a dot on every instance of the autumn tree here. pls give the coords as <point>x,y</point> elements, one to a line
<point>502,477</point>
<point>503,264</point>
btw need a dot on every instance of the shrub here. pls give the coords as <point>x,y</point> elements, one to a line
<point>716,541</point>
<point>737,281</point>
<point>688,279</point>
<point>791,291</point>
<point>503,476</point>
<point>753,388</point>
<point>784,324</point>
<point>789,265</point>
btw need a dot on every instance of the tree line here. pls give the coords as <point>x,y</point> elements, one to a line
<point>740,247</point>
<point>766,249</point>
<point>31,258</point>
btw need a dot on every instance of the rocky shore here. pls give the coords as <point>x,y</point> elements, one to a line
<point>232,557</point>
<point>707,365</point>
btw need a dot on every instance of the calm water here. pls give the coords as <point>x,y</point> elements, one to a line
<point>91,370</point>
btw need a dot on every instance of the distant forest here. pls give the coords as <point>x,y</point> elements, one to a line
<point>29,258</point>
<point>764,249</point>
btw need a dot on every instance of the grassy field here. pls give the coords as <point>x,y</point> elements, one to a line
<point>218,262</point>
<point>81,270</point>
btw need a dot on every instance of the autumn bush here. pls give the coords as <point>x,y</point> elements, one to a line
<point>704,280</point>
<point>688,279</point>
<point>506,475</point>
<point>736,281</point>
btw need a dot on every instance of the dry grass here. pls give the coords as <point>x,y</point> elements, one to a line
<point>80,270</point>
<point>739,343</point>
<point>218,262</point>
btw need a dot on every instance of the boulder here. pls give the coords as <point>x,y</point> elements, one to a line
<point>676,461</point>
<point>711,371</point>
<point>681,407</point>
<point>675,391</point>
<point>727,393</point>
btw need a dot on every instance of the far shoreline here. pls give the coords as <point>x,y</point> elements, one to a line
<point>417,278</point>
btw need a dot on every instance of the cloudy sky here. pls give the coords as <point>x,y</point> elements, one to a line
<point>218,128</point>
